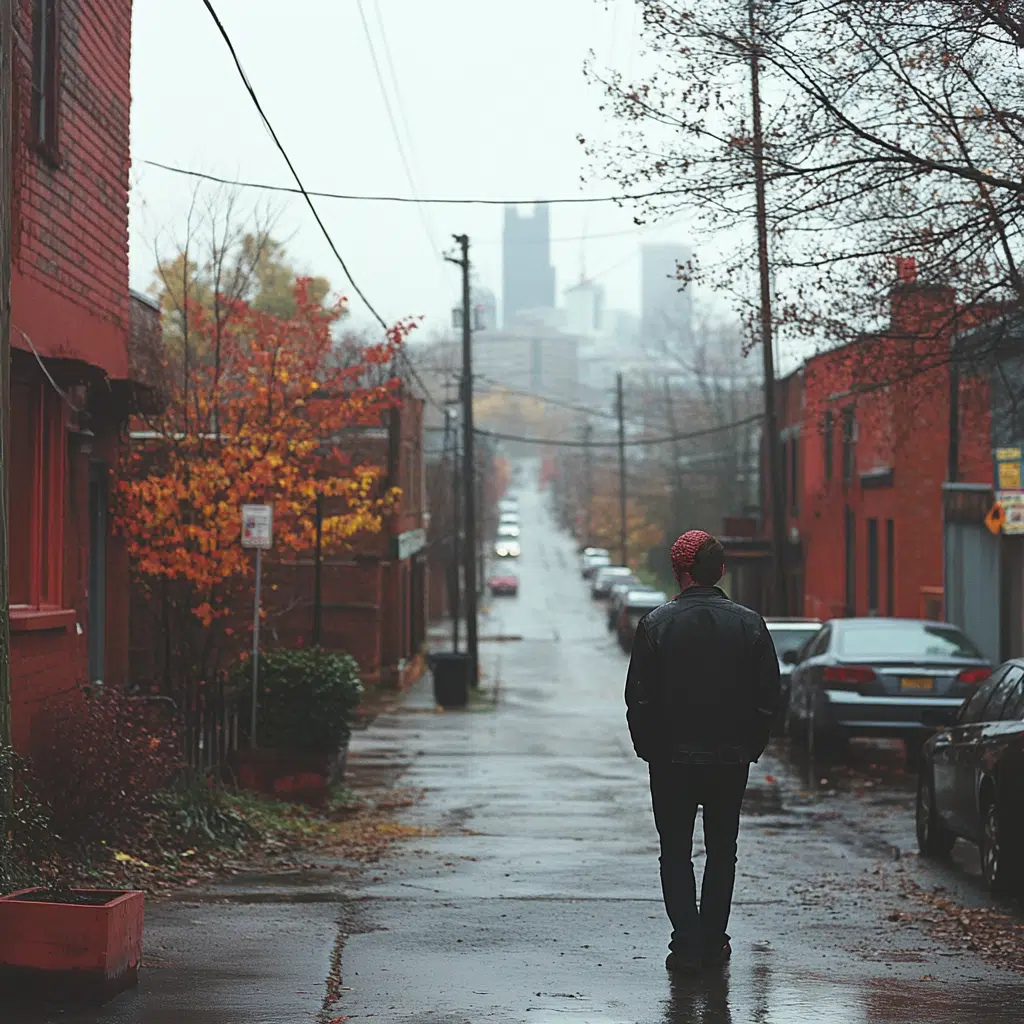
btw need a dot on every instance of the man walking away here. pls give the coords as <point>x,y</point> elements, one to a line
<point>701,693</point>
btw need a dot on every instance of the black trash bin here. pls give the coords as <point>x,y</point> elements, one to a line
<point>451,673</point>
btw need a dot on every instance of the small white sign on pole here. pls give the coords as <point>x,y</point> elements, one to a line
<point>258,533</point>
<point>258,526</point>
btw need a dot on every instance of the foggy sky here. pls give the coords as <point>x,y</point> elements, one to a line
<point>494,97</point>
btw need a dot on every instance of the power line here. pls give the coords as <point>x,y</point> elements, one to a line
<point>635,442</point>
<point>291,167</point>
<point>402,154</point>
<point>433,200</point>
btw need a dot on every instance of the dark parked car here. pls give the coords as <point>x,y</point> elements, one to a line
<point>604,577</point>
<point>903,678</point>
<point>637,604</point>
<point>789,636</point>
<point>971,782</point>
<point>617,596</point>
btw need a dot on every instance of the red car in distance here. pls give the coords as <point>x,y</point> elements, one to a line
<point>503,586</point>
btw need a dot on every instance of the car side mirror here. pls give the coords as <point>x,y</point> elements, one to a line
<point>791,657</point>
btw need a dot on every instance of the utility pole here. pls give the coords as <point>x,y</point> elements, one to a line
<point>468,461</point>
<point>771,429</point>
<point>6,215</point>
<point>456,537</point>
<point>619,408</point>
<point>588,483</point>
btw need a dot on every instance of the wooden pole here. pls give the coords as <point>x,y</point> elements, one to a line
<point>771,426</point>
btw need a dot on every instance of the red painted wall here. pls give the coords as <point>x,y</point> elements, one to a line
<point>70,253</point>
<point>71,299</point>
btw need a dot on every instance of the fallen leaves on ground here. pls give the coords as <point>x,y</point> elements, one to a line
<point>993,934</point>
<point>281,837</point>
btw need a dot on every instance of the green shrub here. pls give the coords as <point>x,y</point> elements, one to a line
<point>307,699</point>
<point>201,815</point>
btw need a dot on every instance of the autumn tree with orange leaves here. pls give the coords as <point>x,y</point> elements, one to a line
<point>256,409</point>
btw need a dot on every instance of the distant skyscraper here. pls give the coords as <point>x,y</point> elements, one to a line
<point>528,276</point>
<point>667,311</point>
<point>584,305</point>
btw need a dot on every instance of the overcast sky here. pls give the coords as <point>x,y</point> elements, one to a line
<point>493,95</point>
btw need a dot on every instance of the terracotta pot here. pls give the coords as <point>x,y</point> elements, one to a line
<point>84,951</point>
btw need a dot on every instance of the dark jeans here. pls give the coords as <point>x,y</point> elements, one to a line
<point>676,792</point>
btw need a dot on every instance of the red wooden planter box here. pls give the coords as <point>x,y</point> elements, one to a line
<point>70,951</point>
<point>285,774</point>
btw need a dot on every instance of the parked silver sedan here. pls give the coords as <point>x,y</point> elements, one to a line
<point>880,677</point>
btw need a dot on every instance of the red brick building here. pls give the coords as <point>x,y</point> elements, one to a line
<point>373,601</point>
<point>71,318</point>
<point>865,432</point>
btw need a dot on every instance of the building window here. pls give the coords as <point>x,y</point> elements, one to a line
<point>850,551</point>
<point>872,567</point>
<point>794,476</point>
<point>849,444</point>
<point>890,567</point>
<point>827,438</point>
<point>37,472</point>
<point>46,74</point>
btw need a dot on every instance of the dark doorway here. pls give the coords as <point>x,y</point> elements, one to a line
<point>99,516</point>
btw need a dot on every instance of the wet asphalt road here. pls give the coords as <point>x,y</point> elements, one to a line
<point>531,892</point>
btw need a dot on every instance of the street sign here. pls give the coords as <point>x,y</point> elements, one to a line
<point>995,518</point>
<point>409,543</point>
<point>258,527</point>
<point>1013,513</point>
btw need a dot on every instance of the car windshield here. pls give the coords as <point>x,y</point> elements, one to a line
<point>904,639</point>
<point>789,639</point>
<point>646,600</point>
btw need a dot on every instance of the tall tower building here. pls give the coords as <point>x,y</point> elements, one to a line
<point>666,305</point>
<point>528,278</point>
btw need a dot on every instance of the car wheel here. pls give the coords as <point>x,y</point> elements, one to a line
<point>933,838</point>
<point>914,744</point>
<point>996,860</point>
<point>796,729</point>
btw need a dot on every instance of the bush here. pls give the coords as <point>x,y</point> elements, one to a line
<point>200,815</point>
<point>100,767</point>
<point>307,699</point>
<point>26,835</point>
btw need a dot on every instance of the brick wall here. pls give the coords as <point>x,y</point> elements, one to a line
<point>70,252</point>
<point>900,464</point>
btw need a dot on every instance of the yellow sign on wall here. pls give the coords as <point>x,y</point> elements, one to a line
<point>1009,476</point>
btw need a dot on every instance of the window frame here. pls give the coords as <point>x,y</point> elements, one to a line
<point>849,420</point>
<point>48,492</point>
<point>47,18</point>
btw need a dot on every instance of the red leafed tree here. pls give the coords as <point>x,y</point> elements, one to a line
<point>257,405</point>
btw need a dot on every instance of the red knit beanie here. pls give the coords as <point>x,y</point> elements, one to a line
<point>685,551</point>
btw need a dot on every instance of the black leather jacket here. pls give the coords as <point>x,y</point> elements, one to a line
<point>703,681</point>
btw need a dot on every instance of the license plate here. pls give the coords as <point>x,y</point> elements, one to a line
<point>917,684</point>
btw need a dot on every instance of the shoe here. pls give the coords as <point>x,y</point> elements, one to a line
<point>719,959</point>
<point>682,965</point>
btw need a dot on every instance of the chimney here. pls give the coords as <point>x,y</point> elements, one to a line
<point>906,270</point>
<point>916,309</point>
